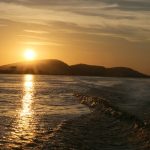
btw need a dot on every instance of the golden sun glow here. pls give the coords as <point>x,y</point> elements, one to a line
<point>29,54</point>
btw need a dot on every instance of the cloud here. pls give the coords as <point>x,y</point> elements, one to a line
<point>40,43</point>
<point>3,25</point>
<point>130,33</point>
<point>134,5</point>
<point>32,37</point>
<point>126,19</point>
<point>121,4</point>
<point>36,31</point>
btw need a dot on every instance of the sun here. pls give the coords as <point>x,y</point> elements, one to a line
<point>29,54</point>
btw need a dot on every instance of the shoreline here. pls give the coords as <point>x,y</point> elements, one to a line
<point>71,75</point>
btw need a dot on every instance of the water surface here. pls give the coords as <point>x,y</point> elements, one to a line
<point>31,106</point>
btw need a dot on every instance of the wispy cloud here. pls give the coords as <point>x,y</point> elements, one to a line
<point>121,4</point>
<point>32,37</point>
<point>40,43</point>
<point>127,19</point>
<point>127,32</point>
<point>3,25</point>
<point>36,31</point>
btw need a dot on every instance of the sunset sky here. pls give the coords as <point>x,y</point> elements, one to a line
<point>99,32</point>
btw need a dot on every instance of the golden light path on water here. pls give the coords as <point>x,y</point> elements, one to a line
<point>34,121</point>
<point>24,126</point>
<point>26,113</point>
<point>27,98</point>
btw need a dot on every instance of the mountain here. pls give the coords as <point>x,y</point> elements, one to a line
<point>57,67</point>
<point>49,67</point>
<point>123,72</point>
<point>91,70</point>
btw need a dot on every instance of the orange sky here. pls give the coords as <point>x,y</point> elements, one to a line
<point>77,31</point>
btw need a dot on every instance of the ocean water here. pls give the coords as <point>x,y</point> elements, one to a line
<point>129,94</point>
<point>32,106</point>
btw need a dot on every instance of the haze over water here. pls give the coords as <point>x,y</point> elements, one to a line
<point>31,106</point>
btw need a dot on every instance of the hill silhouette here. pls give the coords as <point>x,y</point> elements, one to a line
<point>49,67</point>
<point>91,70</point>
<point>57,67</point>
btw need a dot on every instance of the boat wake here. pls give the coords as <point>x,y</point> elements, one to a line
<point>106,127</point>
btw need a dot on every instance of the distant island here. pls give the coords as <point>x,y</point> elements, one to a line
<point>57,67</point>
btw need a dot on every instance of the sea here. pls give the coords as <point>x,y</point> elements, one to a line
<point>32,106</point>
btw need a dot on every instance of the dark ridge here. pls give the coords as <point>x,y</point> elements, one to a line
<point>123,72</point>
<point>57,67</point>
<point>84,70</point>
<point>91,70</point>
<point>47,67</point>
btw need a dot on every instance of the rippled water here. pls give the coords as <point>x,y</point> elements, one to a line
<point>130,95</point>
<point>31,106</point>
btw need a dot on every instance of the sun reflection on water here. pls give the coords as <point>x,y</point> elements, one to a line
<point>27,98</point>
<point>24,128</point>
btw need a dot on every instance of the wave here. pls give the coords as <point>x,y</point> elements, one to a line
<point>138,130</point>
<point>106,127</point>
